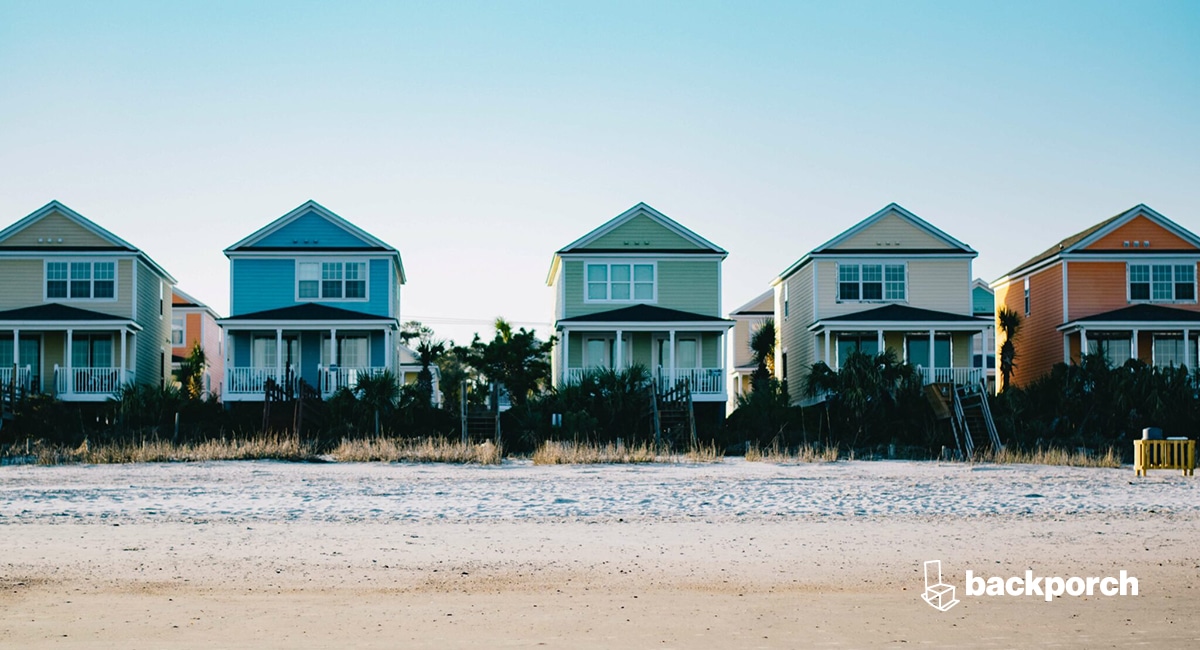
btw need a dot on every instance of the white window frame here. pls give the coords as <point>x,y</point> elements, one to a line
<point>342,339</point>
<point>1173,264</point>
<point>632,300</point>
<point>883,282</point>
<point>182,329</point>
<point>91,280</point>
<point>320,262</point>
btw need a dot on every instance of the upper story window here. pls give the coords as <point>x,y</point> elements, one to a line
<point>81,280</point>
<point>786,306</point>
<point>1162,283</point>
<point>621,282</point>
<point>176,330</point>
<point>1026,296</point>
<point>331,280</point>
<point>872,282</point>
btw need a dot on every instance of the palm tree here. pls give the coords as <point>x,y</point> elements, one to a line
<point>1010,324</point>
<point>762,352</point>
<point>428,352</point>
<point>379,392</point>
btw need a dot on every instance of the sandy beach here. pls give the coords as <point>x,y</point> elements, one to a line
<point>730,555</point>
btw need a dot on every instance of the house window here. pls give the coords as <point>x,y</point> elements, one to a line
<point>177,330</point>
<point>1162,282</point>
<point>1170,351</point>
<point>917,348</point>
<point>1115,350</point>
<point>620,282</point>
<point>871,282</point>
<point>331,280</point>
<point>353,352</point>
<point>785,300</point>
<point>92,351</point>
<point>1026,296</point>
<point>848,344</point>
<point>263,352</point>
<point>81,280</point>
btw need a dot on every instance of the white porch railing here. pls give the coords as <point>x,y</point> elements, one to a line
<point>88,381</point>
<point>960,376</point>
<point>245,381</point>
<point>704,381</point>
<point>23,376</point>
<point>333,379</point>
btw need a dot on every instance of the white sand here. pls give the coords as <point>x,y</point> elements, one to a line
<point>729,555</point>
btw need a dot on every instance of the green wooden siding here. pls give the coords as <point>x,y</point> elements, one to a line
<point>641,232</point>
<point>687,285</point>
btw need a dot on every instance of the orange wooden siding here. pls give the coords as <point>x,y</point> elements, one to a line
<point>1097,287</point>
<point>1039,345</point>
<point>1141,229</point>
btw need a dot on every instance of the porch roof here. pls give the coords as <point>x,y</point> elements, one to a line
<point>1147,316</point>
<point>647,315</point>
<point>902,316</point>
<point>59,316</point>
<point>307,314</point>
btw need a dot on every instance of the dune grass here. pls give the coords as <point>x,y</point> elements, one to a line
<point>263,447</point>
<point>558,452</point>
<point>423,450</point>
<point>802,454</point>
<point>1051,456</point>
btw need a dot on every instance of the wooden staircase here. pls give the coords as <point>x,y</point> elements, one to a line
<point>288,405</point>
<point>10,394</point>
<point>674,416</point>
<point>966,407</point>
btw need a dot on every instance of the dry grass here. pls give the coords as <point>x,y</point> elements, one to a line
<point>803,454</point>
<point>586,453</point>
<point>160,451</point>
<point>1052,456</point>
<point>426,450</point>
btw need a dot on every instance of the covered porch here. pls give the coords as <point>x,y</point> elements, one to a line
<point>324,347</point>
<point>75,354</point>
<point>1154,334</point>
<point>940,344</point>
<point>675,346</point>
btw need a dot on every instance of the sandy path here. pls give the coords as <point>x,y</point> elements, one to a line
<point>765,581</point>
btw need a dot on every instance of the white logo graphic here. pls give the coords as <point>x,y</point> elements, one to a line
<point>938,594</point>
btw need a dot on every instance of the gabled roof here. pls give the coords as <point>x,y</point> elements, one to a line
<point>312,207</point>
<point>1086,237</point>
<point>902,314</point>
<point>643,314</point>
<point>702,245</point>
<point>190,303</point>
<point>55,207</point>
<point>753,308</point>
<point>1142,314</point>
<point>58,313</point>
<point>307,312</point>
<point>954,245</point>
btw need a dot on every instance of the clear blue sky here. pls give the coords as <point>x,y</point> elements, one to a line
<point>480,137</point>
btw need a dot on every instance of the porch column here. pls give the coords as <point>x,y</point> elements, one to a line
<point>16,350</point>
<point>1083,346</point>
<point>931,357</point>
<point>122,375</point>
<point>1066,348</point>
<point>566,355</point>
<point>671,345</point>
<point>879,342</point>
<point>1185,348</point>
<point>70,356</point>
<point>1133,346</point>
<point>333,347</point>
<point>827,360</point>
<point>278,355</point>
<point>619,351</point>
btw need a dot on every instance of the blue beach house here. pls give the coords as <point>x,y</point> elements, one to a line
<point>313,298</point>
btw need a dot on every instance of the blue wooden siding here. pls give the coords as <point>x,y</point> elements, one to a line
<point>318,231</point>
<point>262,284</point>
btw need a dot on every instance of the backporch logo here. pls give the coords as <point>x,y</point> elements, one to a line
<point>942,596</point>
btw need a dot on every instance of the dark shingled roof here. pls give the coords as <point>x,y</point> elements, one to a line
<point>1144,314</point>
<point>308,312</point>
<point>1066,243</point>
<point>902,313</point>
<point>643,314</point>
<point>56,312</point>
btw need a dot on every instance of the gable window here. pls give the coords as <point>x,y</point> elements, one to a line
<point>81,280</point>
<point>1162,283</point>
<point>331,280</point>
<point>176,331</point>
<point>620,282</point>
<point>872,282</point>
